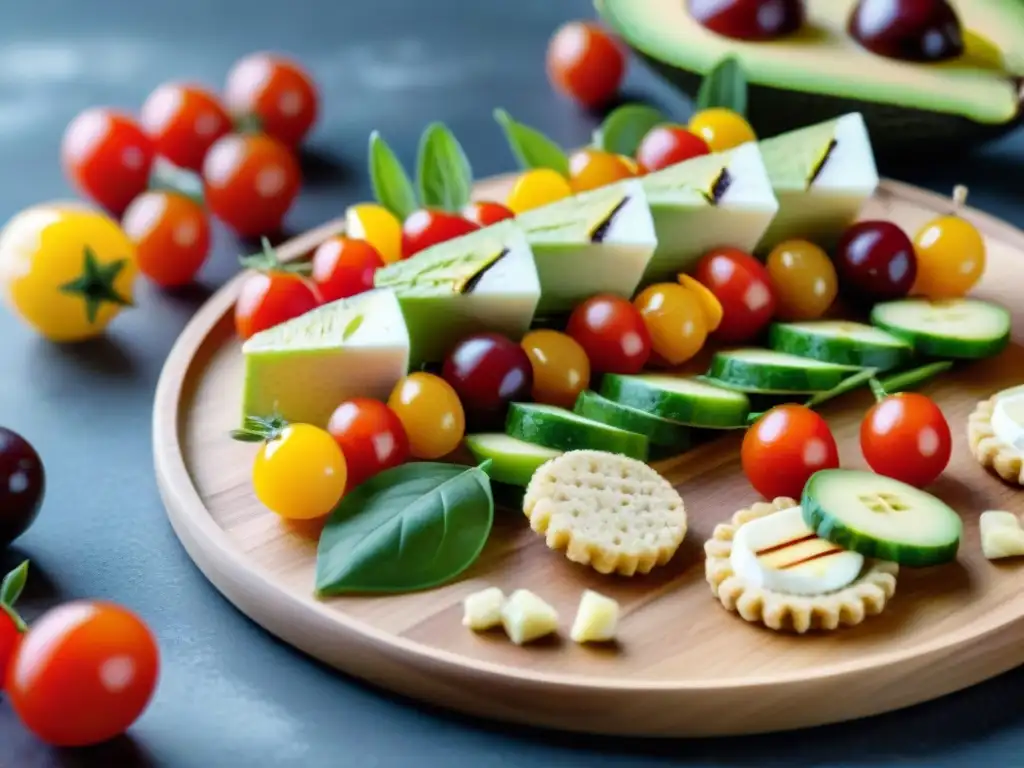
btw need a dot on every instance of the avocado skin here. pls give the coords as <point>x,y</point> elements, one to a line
<point>895,131</point>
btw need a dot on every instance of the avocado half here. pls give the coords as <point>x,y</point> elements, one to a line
<point>821,72</point>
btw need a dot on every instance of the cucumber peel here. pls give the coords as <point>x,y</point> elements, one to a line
<point>682,399</point>
<point>968,329</point>
<point>511,461</point>
<point>769,372</point>
<point>659,431</point>
<point>841,342</point>
<point>563,430</point>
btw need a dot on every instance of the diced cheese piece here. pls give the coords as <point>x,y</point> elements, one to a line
<point>526,617</point>
<point>597,618</point>
<point>482,610</point>
<point>1001,535</point>
<point>304,368</point>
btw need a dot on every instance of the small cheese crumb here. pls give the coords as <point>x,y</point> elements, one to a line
<point>482,610</point>
<point>526,617</point>
<point>1001,535</point>
<point>596,619</point>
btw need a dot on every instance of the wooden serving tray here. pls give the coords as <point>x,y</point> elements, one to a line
<point>683,665</point>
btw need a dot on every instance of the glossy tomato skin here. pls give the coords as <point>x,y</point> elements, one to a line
<point>22,485</point>
<point>270,298</point>
<point>344,266</point>
<point>875,261</point>
<point>483,213</point>
<point>666,145</point>
<point>275,91</point>
<point>10,639</point>
<point>906,437</point>
<point>431,412</point>
<point>613,334</point>
<point>370,436</point>
<point>488,371</point>
<point>561,368</point>
<point>171,233</point>
<point>427,227</point>
<point>743,287</point>
<point>83,673</point>
<point>784,447</point>
<point>107,157</point>
<point>250,182</point>
<point>300,473</point>
<point>585,63</point>
<point>184,120</point>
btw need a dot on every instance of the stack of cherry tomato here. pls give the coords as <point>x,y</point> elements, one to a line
<point>241,145</point>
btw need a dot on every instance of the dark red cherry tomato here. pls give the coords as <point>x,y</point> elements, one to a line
<point>743,287</point>
<point>666,145</point>
<point>484,213</point>
<point>344,266</point>
<point>370,436</point>
<point>107,157</point>
<point>875,261</point>
<point>22,485</point>
<point>613,334</point>
<point>906,437</point>
<point>427,227</point>
<point>270,298</point>
<point>784,447</point>
<point>487,372</point>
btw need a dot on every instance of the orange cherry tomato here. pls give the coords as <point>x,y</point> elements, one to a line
<point>483,213</point>
<point>184,121</point>
<point>784,447</point>
<point>83,673</point>
<point>804,280</point>
<point>370,436</point>
<point>592,168</point>
<point>344,266</point>
<point>270,298</point>
<point>276,92</point>
<point>430,412</point>
<point>675,319</point>
<point>107,157</point>
<point>561,368</point>
<point>585,63</point>
<point>171,234</point>
<point>250,182</point>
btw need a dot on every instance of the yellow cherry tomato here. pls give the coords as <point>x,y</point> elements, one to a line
<point>300,473</point>
<point>631,164</point>
<point>537,187</point>
<point>804,279</point>
<point>721,128</point>
<point>378,226</point>
<point>676,320</point>
<point>66,270</point>
<point>561,369</point>
<point>593,168</point>
<point>431,413</point>
<point>951,256</point>
<point>709,302</point>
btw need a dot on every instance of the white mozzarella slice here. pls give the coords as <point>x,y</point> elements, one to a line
<point>1008,420</point>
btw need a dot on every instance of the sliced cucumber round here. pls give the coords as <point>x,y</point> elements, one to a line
<point>659,431</point>
<point>512,461</point>
<point>563,430</point>
<point>881,517</point>
<point>954,328</point>
<point>841,342</point>
<point>766,371</point>
<point>681,399</point>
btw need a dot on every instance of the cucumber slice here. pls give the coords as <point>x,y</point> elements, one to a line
<point>659,431</point>
<point>681,399</point>
<point>764,370</point>
<point>564,430</point>
<point>841,342</point>
<point>881,517</point>
<point>955,328</point>
<point>512,461</point>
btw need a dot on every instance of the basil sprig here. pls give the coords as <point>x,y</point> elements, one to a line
<point>408,528</point>
<point>392,186</point>
<point>724,86</point>
<point>625,127</point>
<point>530,147</point>
<point>444,177</point>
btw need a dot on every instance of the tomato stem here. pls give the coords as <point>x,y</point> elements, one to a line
<point>267,260</point>
<point>10,590</point>
<point>906,379</point>
<point>877,389</point>
<point>259,429</point>
<point>959,198</point>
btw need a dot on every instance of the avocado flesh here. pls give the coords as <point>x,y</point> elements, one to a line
<point>710,201</point>
<point>483,281</point>
<point>594,242</point>
<point>305,367</point>
<point>821,72</point>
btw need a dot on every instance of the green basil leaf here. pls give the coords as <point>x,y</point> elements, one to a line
<point>444,176</point>
<point>392,187</point>
<point>408,528</point>
<point>724,86</point>
<point>530,147</point>
<point>624,128</point>
<point>13,584</point>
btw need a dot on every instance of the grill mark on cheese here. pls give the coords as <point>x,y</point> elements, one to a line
<point>830,550</point>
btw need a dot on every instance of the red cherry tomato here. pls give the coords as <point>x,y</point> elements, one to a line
<point>276,92</point>
<point>743,287</point>
<point>107,157</point>
<point>784,447</point>
<point>585,63</point>
<point>427,227</point>
<point>10,638</point>
<point>270,298</point>
<point>344,266</point>
<point>171,234</point>
<point>184,121</point>
<point>666,145</point>
<point>613,334</point>
<point>483,213</point>
<point>250,182</point>
<point>906,437</point>
<point>83,673</point>
<point>371,437</point>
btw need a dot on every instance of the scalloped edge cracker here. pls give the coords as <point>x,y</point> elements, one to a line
<point>991,452</point>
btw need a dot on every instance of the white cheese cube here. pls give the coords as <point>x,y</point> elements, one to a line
<point>597,618</point>
<point>1001,535</point>
<point>526,617</point>
<point>482,610</point>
